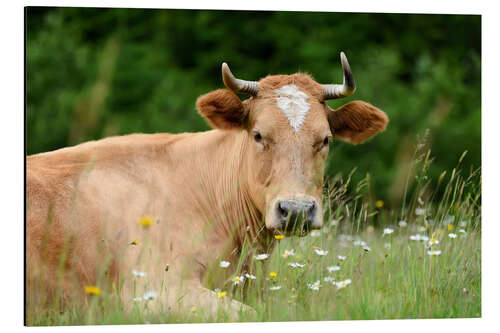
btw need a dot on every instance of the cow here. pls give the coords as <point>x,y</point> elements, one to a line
<point>151,214</point>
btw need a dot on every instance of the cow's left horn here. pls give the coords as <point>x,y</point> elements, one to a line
<point>333,91</point>
<point>237,85</point>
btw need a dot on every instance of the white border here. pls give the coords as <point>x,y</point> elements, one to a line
<point>12,161</point>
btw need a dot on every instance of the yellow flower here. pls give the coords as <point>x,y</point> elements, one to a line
<point>221,294</point>
<point>272,275</point>
<point>450,227</point>
<point>92,290</point>
<point>193,309</point>
<point>278,237</point>
<point>146,221</point>
<point>379,204</point>
<point>134,242</point>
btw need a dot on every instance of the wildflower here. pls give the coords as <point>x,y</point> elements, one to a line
<point>314,285</point>
<point>387,245</point>
<point>341,257</point>
<point>238,279</point>
<point>138,274</point>
<point>343,284</point>
<point>224,264</point>
<point>288,253</point>
<point>379,204</point>
<point>334,223</point>
<point>150,295</point>
<point>333,269</point>
<point>92,290</point>
<point>315,233</point>
<point>137,299</point>
<point>359,242</point>
<point>328,279</point>
<point>462,231</point>
<point>134,242</point>
<point>275,288</point>
<point>221,294</point>
<point>295,265</point>
<point>402,224</point>
<point>419,211</point>
<point>434,252</point>
<point>452,235</point>
<point>433,241</point>
<point>367,248</point>
<point>388,231</point>
<point>272,275</point>
<point>262,256</point>
<point>418,237</point>
<point>146,221</point>
<point>250,276</point>
<point>450,227</point>
<point>279,237</point>
<point>320,252</point>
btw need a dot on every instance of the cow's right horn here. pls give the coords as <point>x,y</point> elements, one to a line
<point>237,85</point>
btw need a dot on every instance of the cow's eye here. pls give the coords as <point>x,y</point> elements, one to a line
<point>257,137</point>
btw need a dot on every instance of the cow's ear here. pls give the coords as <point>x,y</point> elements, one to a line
<point>222,109</point>
<point>356,121</point>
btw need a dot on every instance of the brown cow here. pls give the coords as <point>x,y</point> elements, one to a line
<point>198,197</point>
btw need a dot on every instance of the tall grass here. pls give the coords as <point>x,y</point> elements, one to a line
<point>392,275</point>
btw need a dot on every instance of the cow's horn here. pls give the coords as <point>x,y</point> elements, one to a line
<point>333,91</point>
<point>237,85</point>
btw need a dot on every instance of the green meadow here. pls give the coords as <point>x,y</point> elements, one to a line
<point>422,260</point>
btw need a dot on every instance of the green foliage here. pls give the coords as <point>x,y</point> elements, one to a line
<point>92,73</point>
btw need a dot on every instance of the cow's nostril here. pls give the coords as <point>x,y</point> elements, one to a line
<point>284,209</point>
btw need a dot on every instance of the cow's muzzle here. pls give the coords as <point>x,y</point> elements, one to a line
<point>297,215</point>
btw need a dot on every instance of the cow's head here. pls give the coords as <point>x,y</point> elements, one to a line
<point>287,128</point>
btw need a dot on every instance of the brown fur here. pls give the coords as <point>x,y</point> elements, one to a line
<point>356,121</point>
<point>210,193</point>
<point>222,109</point>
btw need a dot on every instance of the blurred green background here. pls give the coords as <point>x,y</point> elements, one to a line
<point>93,73</point>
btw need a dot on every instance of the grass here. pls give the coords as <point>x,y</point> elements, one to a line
<point>392,275</point>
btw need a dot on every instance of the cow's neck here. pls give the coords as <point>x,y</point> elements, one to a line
<point>221,194</point>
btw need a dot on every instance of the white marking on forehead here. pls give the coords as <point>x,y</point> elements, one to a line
<point>293,103</point>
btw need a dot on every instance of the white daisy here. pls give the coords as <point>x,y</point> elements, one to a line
<point>315,233</point>
<point>275,288</point>
<point>314,285</point>
<point>462,231</point>
<point>359,242</point>
<point>262,256</point>
<point>343,284</point>
<point>341,257</point>
<point>238,279</point>
<point>388,231</point>
<point>137,299</point>
<point>250,276</point>
<point>320,252</point>
<point>434,252</point>
<point>403,224</point>
<point>224,264</point>
<point>367,248</point>
<point>418,237</point>
<point>419,211</point>
<point>328,279</point>
<point>333,269</point>
<point>295,265</point>
<point>138,274</point>
<point>433,241</point>
<point>288,253</point>
<point>452,235</point>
